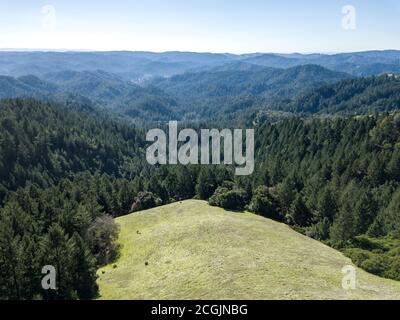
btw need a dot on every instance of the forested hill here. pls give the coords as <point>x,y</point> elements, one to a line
<point>352,165</point>
<point>98,88</point>
<point>189,96</point>
<point>44,142</point>
<point>237,92</point>
<point>354,96</point>
<point>216,91</point>
<point>334,179</point>
<point>140,66</point>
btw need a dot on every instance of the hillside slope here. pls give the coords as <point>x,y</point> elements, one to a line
<point>194,251</point>
<point>223,91</point>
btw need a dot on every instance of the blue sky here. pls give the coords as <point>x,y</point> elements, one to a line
<point>237,26</point>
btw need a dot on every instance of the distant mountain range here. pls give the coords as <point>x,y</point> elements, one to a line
<point>194,86</point>
<point>141,66</point>
<point>189,96</point>
<point>234,87</point>
<point>357,64</point>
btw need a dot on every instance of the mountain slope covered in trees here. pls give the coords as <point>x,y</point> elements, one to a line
<point>42,143</point>
<point>211,93</point>
<point>98,88</point>
<point>355,96</point>
<point>64,170</point>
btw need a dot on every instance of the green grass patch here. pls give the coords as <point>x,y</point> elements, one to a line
<point>190,250</point>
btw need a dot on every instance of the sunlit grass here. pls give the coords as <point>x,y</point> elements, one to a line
<point>190,250</point>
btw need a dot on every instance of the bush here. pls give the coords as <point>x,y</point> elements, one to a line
<point>380,256</point>
<point>367,243</point>
<point>145,200</point>
<point>265,203</point>
<point>101,237</point>
<point>357,255</point>
<point>229,199</point>
<point>376,264</point>
<point>393,271</point>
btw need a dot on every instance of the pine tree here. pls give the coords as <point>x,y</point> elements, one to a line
<point>56,251</point>
<point>206,184</point>
<point>10,262</point>
<point>344,227</point>
<point>327,205</point>
<point>83,269</point>
<point>299,214</point>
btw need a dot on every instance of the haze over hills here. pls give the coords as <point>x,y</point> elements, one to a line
<point>139,66</point>
<point>188,85</point>
<point>357,63</point>
<point>105,90</point>
<point>235,88</point>
<point>230,90</point>
<point>198,94</point>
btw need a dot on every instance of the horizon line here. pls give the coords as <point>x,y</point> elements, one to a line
<point>59,50</point>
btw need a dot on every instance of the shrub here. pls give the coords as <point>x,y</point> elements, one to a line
<point>229,199</point>
<point>376,264</point>
<point>265,203</point>
<point>367,243</point>
<point>393,271</point>
<point>145,200</point>
<point>101,237</point>
<point>357,255</point>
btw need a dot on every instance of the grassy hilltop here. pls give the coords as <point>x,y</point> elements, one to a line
<point>190,250</point>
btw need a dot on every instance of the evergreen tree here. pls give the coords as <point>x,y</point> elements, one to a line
<point>206,184</point>
<point>299,214</point>
<point>83,269</point>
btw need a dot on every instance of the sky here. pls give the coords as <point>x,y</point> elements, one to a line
<point>236,26</point>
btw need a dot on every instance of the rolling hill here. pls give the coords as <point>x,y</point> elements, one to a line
<point>356,63</point>
<point>239,86</point>
<point>189,250</point>
<point>102,89</point>
<point>141,66</point>
<point>354,96</point>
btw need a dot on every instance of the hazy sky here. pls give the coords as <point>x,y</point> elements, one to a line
<point>199,25</point>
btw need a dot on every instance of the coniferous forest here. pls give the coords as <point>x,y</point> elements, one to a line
<point>73,157</point>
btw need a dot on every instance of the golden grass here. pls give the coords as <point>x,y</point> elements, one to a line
<point>189,250</point>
